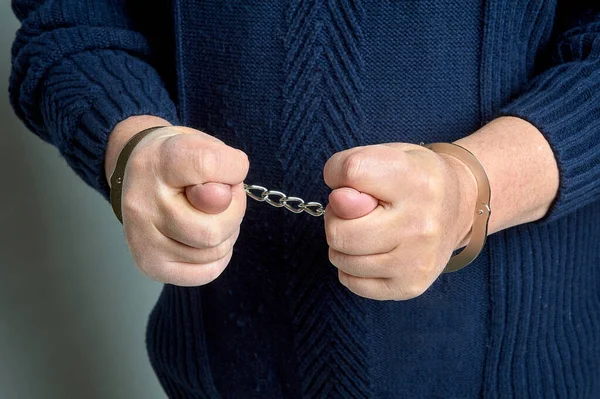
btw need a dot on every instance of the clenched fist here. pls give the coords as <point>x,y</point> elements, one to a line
<point>183,202</point>
<point>395,215</point>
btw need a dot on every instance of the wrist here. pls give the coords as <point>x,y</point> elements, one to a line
<point>121,134</point>
<point>466,198</point>
<point>522,171</point>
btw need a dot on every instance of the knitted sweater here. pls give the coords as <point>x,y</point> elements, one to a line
<point>292,82</point>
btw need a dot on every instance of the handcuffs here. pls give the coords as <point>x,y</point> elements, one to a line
<point>278,199</point>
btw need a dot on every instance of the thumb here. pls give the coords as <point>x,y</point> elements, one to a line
<point>348,203</point>
<point>209,197</point>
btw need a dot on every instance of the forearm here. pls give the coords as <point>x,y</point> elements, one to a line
<point>521,168</point>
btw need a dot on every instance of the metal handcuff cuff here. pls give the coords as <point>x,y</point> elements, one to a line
<point>298,205</point>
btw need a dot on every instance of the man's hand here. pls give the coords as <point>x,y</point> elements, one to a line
<point>396,214</point>
<point>183,203</point>
<point>399,210</point>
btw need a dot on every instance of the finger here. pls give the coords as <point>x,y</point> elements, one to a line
<point>190,159</point>
<point>382,289</point>
<point>372,266</point>
<point>181,222</point>
<point>176,251</point>
<point>210,198</point>
<point>370,169</point>
<point>347,203</point>
<point>186,275</point>
<point>373,288</point>
<point>376,233</point>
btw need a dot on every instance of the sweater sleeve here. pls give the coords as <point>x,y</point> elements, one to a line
<point>79,67</point>
<point>563,102</point>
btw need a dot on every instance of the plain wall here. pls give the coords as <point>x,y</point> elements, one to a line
<point>73,307</point>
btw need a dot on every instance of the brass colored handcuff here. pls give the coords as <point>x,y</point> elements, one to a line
<point>482,212</point>
<point>298,205</point>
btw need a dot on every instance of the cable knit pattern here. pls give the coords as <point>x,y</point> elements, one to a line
<point>323,67</point>
<point>321,116</point>
<point>330,325</point>
<point>293,82</point>
<point>79,69</point>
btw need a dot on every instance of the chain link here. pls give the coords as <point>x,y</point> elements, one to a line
<point>280,200</point>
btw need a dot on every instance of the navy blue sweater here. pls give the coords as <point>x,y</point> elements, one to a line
<point>292,82</point>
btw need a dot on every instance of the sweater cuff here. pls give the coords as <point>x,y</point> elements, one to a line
<point>87,94</point>
<point>563,104</point>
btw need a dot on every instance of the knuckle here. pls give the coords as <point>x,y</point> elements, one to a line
<point>405,289</point>
<point>389,290</point>
<point>245,162</point>
<point>344,279</point>
<point>132,207</point>
<point>412,291</point>
<point>220,251</point>
<point>335,258</point>
<point>217,268</point>
<point>210,235</point>
<point>353,165</point>
<point>202,274</point>
<point>174,273</point>
<point>172,150</point>
<point>431,229</point>
<point>207,160</point>
<point>224,249</point>
<point>431,187</point>
<point>327,174</point>
<point>335,238</point>
<point>424,270</point>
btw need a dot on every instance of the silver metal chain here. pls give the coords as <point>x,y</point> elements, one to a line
<point>280,200</point>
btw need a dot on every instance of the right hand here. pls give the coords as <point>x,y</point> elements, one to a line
<point>183,202</point>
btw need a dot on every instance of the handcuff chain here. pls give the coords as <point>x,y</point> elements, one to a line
<point>281,200</point>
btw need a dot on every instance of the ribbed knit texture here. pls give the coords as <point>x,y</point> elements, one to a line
<point>186,380</point>
<point>545,284</point>
<point>292,82</point>
<point>569,121</point>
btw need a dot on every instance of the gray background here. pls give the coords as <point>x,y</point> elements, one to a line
<point>73,307</point>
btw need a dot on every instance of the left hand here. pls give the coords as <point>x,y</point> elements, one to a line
<point>396,214</point>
